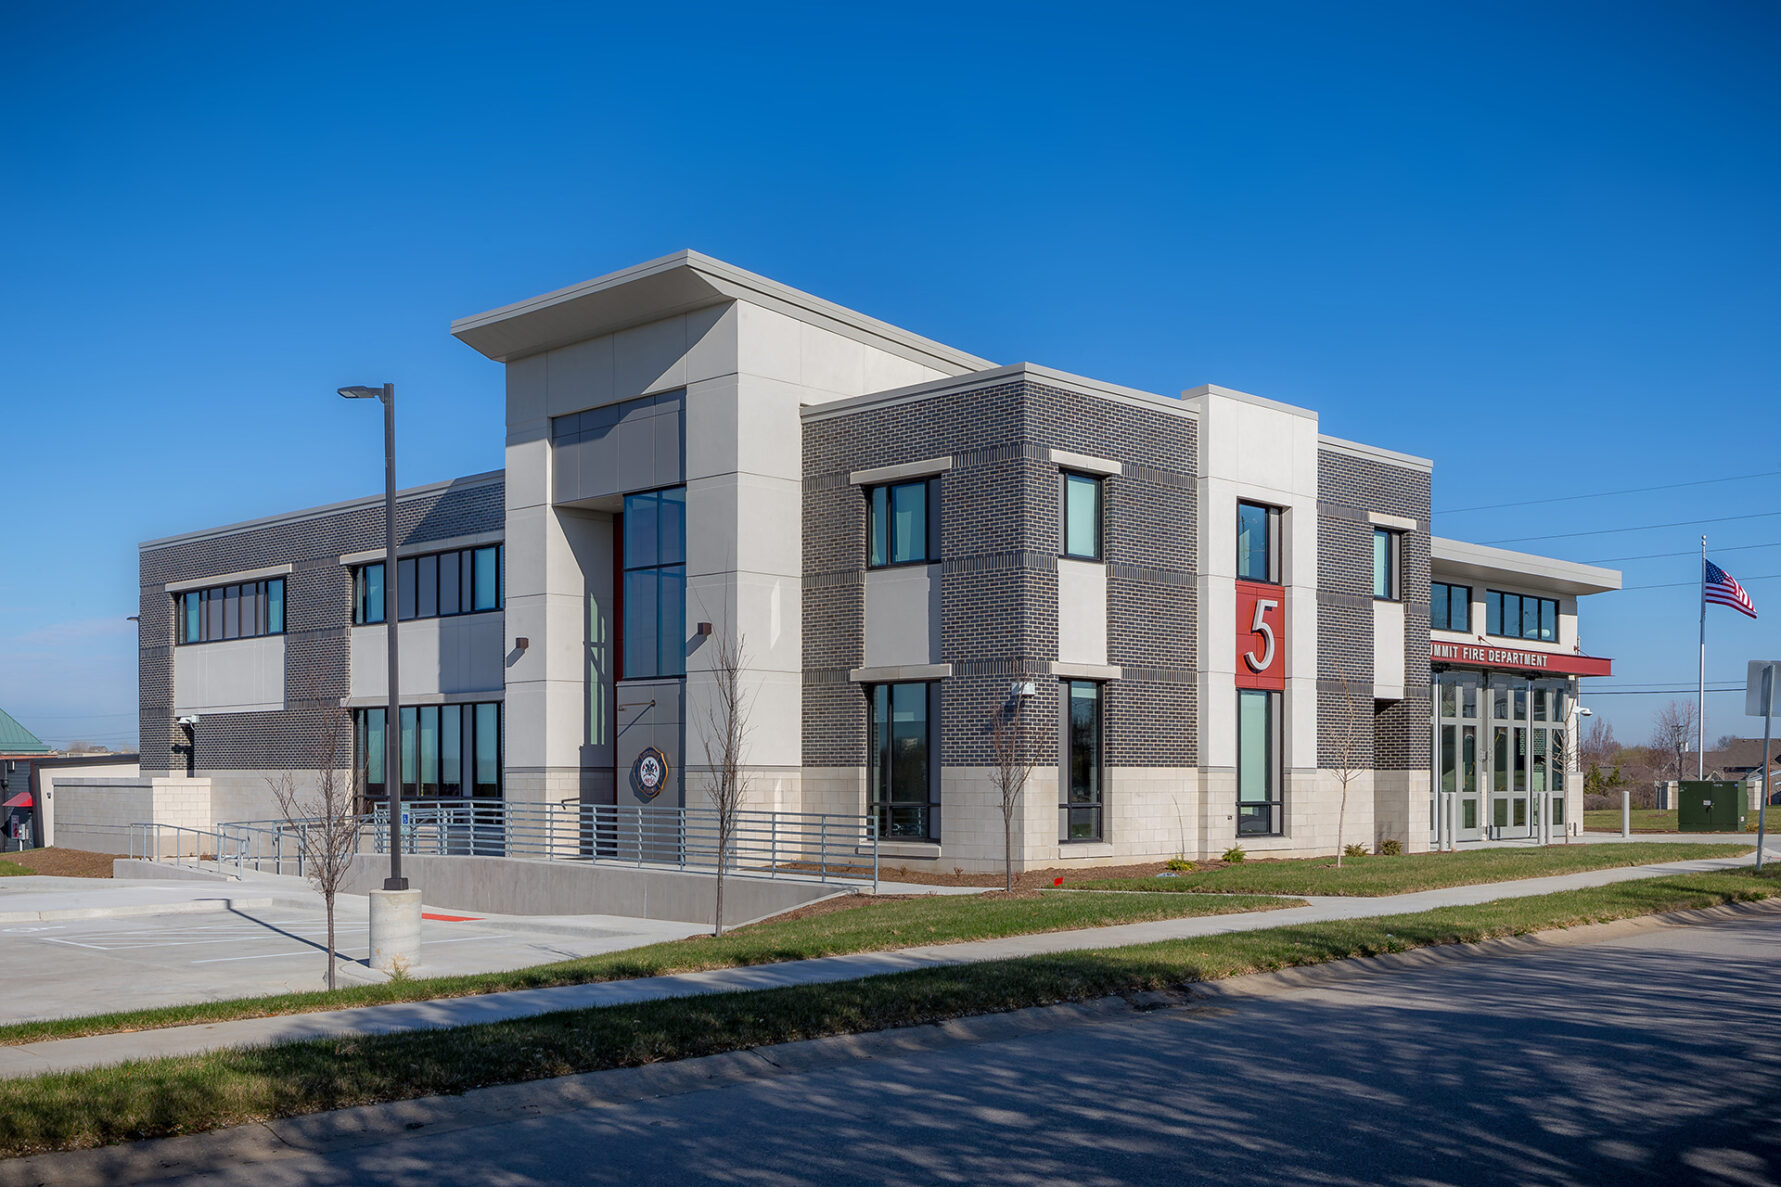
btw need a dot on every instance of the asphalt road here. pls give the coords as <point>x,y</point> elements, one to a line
<point>1654,1058</point>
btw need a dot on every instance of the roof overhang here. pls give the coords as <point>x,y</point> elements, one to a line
<point>1480,562</point>
<point>675,284</point>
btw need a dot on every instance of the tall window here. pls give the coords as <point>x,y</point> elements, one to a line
<point>1258,543</point>
<point>903,789</point>
<point>1258,763</point>
<point>1521,616</point>
<point>1082,516</point>
<point>653,619</point>
<point>1386,547</point>
<point>243,611</point>
<point>440,584</point>
<point>1083,806</point>
<point>1450,607</point>
<point>905,523</point>
<point>447,750</point>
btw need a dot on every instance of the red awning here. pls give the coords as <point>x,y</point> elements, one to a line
<point>21,800</point>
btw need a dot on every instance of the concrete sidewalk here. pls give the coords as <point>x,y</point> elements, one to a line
<point>68,1054</point>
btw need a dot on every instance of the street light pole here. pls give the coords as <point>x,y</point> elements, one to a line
<point>392,725</point>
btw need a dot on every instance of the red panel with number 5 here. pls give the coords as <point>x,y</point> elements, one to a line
<point>1261,636</point>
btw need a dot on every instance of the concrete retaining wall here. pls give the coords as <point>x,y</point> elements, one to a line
<point>520,886</point>
<point>95,814</point>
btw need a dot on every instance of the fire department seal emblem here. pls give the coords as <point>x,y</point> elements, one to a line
<point>649,774</point>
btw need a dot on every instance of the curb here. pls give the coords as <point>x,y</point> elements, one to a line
<point>190,907</point>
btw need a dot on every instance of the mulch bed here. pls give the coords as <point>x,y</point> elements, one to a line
<point>63,863</point>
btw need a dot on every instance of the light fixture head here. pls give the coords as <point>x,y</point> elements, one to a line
<point>361,392</point>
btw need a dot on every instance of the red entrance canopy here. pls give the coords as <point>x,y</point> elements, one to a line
<point>21,800</point>
<point>1480,655</point>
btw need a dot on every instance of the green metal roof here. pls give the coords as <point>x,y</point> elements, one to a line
<point>16,739</point>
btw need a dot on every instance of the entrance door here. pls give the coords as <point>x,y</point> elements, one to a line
<point>1511,743</point>
<point>1457,726</point>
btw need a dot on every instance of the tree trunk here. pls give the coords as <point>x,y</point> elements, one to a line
<point>1341,816</point>
<point>330,905</point>
<point>1007,851</point>
<point>717,924</point>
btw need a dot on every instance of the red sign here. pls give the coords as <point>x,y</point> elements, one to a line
<point>1484,655</point>
<point>1261,636</point>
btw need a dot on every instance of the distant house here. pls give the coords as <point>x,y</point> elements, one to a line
<point>18,747</point>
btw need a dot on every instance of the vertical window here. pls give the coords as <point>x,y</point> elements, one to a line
<point>488,748</point>
<point>1083,805</point>
<point>488,579</point>
<point>653,620</point>
<point>1385,563</point>
<point>451,751</point>
<point>1258,758</point>
<point>462,581</point>
<point>275,606</point>
<point>902,783</point>
<point>902,516</point>
<point>1521,616</point>
<point>426,587</point>
<point>451,583</point>
<point>1082,516</point>
<point>1258,543</point>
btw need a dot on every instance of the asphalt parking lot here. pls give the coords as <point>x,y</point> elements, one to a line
<point>68,967</point>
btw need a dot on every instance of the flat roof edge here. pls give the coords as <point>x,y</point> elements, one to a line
<point>1586,578</point>
<point>1376,452</point>
<point>1013,371</point>
<point>486,478</point>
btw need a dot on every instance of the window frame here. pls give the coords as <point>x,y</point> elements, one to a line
<point>1271,521</point>
<point>670,645</point>
<point>1449,588</point>
<point>1096,805</point>
<point>881,785</point>
<point>208,608</point>
<point>410,597</point>
<point>879,512</point>
<point>1097,483</point>
<point>1275,805</point>
<point>474,749</point>
<point>1497,604</point>
<point>1394,551</point>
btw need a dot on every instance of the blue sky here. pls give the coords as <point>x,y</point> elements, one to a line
<point>1534,242</point>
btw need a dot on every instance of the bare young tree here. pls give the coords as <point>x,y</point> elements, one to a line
<point>1598,749</point>
<point>725,736</point>
<point>1014,759</point>
<point>1673,729</point>
<point>1348,759</point>
<point>325,817</point>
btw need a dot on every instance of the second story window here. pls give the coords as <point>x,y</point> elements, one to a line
<point>1082,516</point>
<point>905,523</point>
<point>463,581</point>
<point>1386,549</point>
<point>1258,543</point>
<point>1450,607</point>
<point>243,611</point>
<point>652,623</point>
<point>1521,616</point>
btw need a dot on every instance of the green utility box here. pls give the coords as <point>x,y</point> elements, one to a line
<point>1710,806</point>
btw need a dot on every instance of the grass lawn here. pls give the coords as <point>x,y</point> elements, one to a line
<point>1374,875</point>
<point>1655,820</point>
<point>834,928</point>
<point>155,1098</point>
<point>12,869</point>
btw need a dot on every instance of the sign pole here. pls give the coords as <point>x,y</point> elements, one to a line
<point>1768,718</point>
<point>1700,712</point>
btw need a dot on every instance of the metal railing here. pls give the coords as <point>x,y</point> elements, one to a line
<point>820,846</point>
<point>267,846</point>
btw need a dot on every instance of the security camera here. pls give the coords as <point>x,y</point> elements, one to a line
<point>189,719</point>
<point>1022,689</point>
<point>1583,711</point>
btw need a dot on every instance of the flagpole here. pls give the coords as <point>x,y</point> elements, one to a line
<point>1700,712</point>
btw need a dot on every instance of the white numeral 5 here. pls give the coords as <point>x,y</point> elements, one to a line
<point>1260,626</point>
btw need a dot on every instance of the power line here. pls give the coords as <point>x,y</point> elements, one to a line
<point>1651,556</point>
<point>1650,527</point>
<point>1650,692</point>
<point>1631,490</point>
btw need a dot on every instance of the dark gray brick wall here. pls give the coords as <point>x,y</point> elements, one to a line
<point>1349,486</point>
<point>318,620</point>
<point>999,548</point>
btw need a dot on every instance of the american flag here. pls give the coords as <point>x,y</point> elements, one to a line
<point>1720,586</point>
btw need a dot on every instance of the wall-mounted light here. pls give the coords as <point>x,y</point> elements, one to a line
<point>1023,689</point>
<point>522,642</point>
<point>704,628</point>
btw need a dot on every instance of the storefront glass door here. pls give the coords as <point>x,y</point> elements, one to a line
<point>1510,752</point>
<point>1457,699</point>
